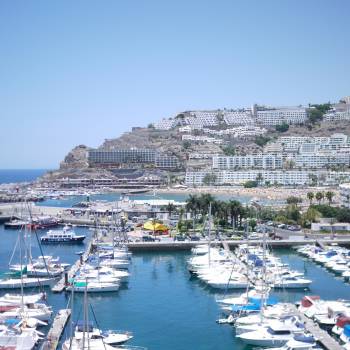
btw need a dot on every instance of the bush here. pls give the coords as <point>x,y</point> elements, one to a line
<point>250,184</point>
<point>262,140</point>
<point>282,127</point>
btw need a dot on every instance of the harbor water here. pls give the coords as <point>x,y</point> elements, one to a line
<point>163,305</point>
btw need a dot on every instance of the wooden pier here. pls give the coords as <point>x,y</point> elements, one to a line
<point>61,285</point>
<point>319,334</point>
<point>56,330</point>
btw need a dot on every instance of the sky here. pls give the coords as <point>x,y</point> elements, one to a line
<point>77,72</point>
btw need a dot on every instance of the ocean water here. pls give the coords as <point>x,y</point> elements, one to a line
<point>20,175</point>
<point>179,197</point>
<point>162,304</point>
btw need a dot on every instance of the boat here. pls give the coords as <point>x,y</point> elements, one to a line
<point>109,337</point>
<point>16,224</point>
<point>93,286</point>
<point>136,191</point>
<point>13,338</point>
<point>27,282</point>
<point>276,334</point>
<point>62,236</point>
<point>299,342</point>
<point>42,222</point>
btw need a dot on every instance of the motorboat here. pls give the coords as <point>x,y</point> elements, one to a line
<point>291,282</point>
<point>17,338</point>
<point>275,334</point>
<point>66,235</point>
<point>299,342</point>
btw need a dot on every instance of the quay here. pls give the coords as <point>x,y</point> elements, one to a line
<point>175,245</point>
<point>320,335</point>
<point>61,285</point>
<point>56,330</point>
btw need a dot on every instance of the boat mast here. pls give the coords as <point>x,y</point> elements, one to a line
<point>21,267</point>
<point>71,317</point>
<point>209,233</point>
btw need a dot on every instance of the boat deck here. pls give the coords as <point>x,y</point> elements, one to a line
<point>56,330</point>
<point>60,286</point>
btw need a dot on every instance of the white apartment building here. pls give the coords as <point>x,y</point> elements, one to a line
<point>286,178</point>
<point>333,116</point>
<point>202,118</point>
<point>237,132</point>
<point>166,124</point>
<point>254,161</point>
<point>274,117</point>
<point>344,191</point>
<point>321,160</point>
<point>238,118</point>
<point>201,139</point>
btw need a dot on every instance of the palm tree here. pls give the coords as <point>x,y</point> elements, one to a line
<point>170,208</point>
<point>204,200</point>
<point>310,196</point>
<point>234,209</point>
<point>329,196</point>
<point>319,197</point>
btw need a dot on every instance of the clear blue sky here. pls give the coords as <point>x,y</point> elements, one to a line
<point>76,72</point>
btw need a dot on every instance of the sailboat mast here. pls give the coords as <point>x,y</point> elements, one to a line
<point>71,318</point>
<point>21,267</point>
<point>209,231</point>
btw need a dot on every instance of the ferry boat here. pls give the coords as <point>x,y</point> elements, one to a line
<point>62,236</point>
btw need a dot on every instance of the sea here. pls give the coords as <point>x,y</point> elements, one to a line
<point>20,175</point>
<point>164,306</point>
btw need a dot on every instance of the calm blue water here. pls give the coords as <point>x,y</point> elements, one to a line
<point>164,306</point>
<point>20,175</point>
<point>179,197</point>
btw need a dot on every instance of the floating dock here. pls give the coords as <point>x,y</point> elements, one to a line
<point>60,286</point>
<point>319,334</point>
<point>187,245</point>
<point>56,330</point>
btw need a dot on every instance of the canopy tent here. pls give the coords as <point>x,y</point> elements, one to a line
<point>155,226</point>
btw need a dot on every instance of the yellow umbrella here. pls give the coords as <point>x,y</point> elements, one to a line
<point>154,226</point>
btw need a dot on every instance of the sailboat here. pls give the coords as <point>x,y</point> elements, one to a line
<point>19,278</point>
<point>85,336</point>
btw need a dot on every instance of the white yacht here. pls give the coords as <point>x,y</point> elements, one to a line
<point>275,334</point>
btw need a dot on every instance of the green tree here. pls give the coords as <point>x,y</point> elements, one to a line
<point>262,140</point>
<point>170,208</point>
<point>250,184</point>
<point>293,200</point>
<point>229,150</point>
<point>310,197</point>
<point>186,144</point>
<point>282,127</point>
<point>319,197</point>
<point>329,196</point>
<point>209,179</point>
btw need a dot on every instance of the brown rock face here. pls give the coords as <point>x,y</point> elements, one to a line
<point>76,158</point>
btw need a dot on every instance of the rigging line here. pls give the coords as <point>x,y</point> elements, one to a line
<point>93,314</point>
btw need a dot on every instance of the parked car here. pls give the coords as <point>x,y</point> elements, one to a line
<point>179,238</point>
<point>149,239</point>
<point>195,238</point>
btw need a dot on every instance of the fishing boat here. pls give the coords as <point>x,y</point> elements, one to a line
<point>62,236</point>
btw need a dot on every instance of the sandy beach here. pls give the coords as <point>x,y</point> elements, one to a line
<point>272,193</point>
